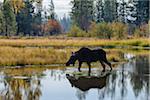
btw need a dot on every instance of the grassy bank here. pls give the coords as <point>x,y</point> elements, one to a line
<point>74,42</point>
<point>35,52</point>
<point>13,56</point>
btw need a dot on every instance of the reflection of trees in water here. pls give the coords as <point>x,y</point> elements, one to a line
<point>110,87</point>
<point>116,80</point>
<point>118,85</point>
<point>25,89</point>
<point>123,82</point>
<point>101,93</point>
<point>81,95</point>
<point>57,74</point>
<point>21,89</point>
<point>140,78</point>
<point>119,82</point>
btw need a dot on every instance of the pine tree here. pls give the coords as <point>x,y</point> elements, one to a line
<point>99,11</point>
<point>2,21</point>
<point>10,19</point>
<point>37,17</point>
<point>142,11</point>
<point>25,18</point>
<point>122,11</point>
<point>51,11</point>
<point>82,13</point>
<point>110,10</point>
<point>131,16</point>
<point>131,12</point>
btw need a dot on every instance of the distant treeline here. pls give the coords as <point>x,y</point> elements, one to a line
<point>110,18</point>
<point>90,18</point>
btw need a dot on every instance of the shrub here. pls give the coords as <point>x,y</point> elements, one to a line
<point>142,31</point>
<point>120,30</point>
<point>101,30</point>
<point>75,31</point>
<point>116,30</point>
<point>93,30</point>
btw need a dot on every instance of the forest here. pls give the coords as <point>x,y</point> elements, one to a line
<point>106,19</point>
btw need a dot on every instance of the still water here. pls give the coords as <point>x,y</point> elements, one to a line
<point>128,81</point>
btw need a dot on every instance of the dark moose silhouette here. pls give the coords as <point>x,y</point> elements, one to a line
<point>88,56</point>
<point>85,83</point>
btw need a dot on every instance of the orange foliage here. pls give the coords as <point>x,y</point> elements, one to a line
<point>51,27</point>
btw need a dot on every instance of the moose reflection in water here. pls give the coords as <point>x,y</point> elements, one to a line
<point>88,56</point>
<point>85,83</point>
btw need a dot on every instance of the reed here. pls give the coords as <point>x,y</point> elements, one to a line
<point>74,42</point>
<point>13,56</point>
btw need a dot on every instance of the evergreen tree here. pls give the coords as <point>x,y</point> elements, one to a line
<point>142,11</point>
<point>9,18</point>
<point>122,10</point>
<point>110,10</point>
<point>99,11</point>
<point>37,18</point>
<point>131,16</point>
<point>25,18</point>
<point>131,12</point>
<point>82,13</point>
<point>2,21</point>
<point>51,11</point>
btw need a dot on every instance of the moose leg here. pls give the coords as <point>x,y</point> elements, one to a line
<point>108,63</point>
<point>89,68</point>
<point>80,64</point>
<point>103,65</point>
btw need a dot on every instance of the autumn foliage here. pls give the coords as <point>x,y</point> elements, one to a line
<point>51,27</point>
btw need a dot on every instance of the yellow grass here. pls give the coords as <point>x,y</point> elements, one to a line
<point>75,42</point>
<point>36,51</point>
<point>31,56</point>
<point>12,56</point>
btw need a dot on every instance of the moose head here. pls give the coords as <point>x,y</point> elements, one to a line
<point>72,59</point>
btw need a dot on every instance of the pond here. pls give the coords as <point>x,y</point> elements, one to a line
<point>128,80</point>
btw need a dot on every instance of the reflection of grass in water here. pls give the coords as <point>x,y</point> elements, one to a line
<point>23,71</point>
<point>28,71</point>
<point>12,56</point>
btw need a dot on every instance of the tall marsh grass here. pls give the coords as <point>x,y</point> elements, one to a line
<point>45,51</point>
<point>73,42</point>
<point>13,56</point>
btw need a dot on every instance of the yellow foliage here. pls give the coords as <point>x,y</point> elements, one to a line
<point>17,5</point>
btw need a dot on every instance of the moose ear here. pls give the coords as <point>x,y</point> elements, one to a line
<point>73,54</point>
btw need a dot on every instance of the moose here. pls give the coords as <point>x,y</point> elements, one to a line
<point>87,55</point>
<point>85,83</point>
